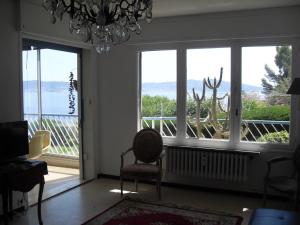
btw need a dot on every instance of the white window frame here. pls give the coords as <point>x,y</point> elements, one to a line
<point>236,46</point>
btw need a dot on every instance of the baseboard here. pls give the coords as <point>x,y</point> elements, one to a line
<point>199,188</point>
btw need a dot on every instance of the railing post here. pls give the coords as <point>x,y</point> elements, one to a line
<point>153,124</point>
<point>161,125</point>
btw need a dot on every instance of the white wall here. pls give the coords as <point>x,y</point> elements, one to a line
<point>118,93</point>
<point>10,104</point>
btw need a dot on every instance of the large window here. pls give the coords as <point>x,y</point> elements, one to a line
<point>235,94</point>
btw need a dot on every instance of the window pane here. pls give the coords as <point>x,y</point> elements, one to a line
<point>158,109</point>
<point>30,83</point>
<point>55,77</point>
<point>266,75</point>
<point>208,93</point>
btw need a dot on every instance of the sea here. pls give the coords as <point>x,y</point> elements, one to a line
<point>55,95</point>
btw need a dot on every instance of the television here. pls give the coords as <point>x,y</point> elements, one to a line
<point>13,140</point>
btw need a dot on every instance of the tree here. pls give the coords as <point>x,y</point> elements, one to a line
<point>275,84</point>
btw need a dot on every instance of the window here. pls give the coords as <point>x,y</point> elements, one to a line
<point>235,94</point>
<point>158,109</point>
<point>208,93</point>
<point>266,76</point>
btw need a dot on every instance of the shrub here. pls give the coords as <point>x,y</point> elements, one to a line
<point>276,137</point>
<point>158,106</point>
<point>278,112</point>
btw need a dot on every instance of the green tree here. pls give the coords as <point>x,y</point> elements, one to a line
<point>158,106</point>
<point>275,84</point>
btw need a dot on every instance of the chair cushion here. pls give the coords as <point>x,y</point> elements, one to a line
<point>141,170</point>
<point>274,217</point>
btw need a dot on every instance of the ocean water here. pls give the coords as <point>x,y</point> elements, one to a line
<point>55,95</point>
<point>52,102</point>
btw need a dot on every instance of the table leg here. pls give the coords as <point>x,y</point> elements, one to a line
<point>40,201</point>
<point>5,206</point>
<point>10,204</point>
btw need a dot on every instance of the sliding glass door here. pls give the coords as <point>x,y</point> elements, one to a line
<point>51,95</point>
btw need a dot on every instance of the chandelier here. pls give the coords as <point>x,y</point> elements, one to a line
<point>103,23</point>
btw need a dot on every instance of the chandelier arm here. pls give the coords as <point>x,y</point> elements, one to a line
<point>90,18</point>
<point>115,12</point>
<point>64,3</point>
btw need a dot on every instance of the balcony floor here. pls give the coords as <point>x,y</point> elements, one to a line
<point>59,179</point>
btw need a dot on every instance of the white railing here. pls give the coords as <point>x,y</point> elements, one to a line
<point>255,128</point>
<point>64,132</point>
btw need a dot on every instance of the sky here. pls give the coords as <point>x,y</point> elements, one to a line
<point>56,65</point>
<point>160,66</point>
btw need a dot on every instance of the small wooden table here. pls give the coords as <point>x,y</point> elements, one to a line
<point>21,176</point>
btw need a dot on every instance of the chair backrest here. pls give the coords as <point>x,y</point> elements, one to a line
<point>35,146</point>
<point>147,145</point>
<point>46,137</point>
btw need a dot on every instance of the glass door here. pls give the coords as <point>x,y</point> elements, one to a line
<point>51,106</point>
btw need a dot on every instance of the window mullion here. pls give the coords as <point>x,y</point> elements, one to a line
<point>295,99</point>
<point>181,94</point>
<point>39,87</point>
<point>235,108</point>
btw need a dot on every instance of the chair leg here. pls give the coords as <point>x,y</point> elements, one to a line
<point>265,195</point>
<point>121,184</point>
<point>296,199</point>
<point>136,185</point>
<point>158,188</point>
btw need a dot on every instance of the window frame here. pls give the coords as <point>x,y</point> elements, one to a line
<point>236,45</point>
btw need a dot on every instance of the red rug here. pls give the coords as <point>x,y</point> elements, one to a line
<point>138,212</point>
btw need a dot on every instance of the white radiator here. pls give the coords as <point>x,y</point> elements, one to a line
<point>207,164</point>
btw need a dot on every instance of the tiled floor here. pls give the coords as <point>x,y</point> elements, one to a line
<point>59,179</point>
<point>78,205</point>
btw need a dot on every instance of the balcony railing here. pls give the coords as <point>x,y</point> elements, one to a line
<point>64,132</point>
<point>65,137</point>
<point>255,128</point>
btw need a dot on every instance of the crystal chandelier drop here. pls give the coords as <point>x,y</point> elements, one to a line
<point>102,22</point>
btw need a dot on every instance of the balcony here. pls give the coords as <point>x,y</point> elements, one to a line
<point>65,134</point>
<point>64,150</point>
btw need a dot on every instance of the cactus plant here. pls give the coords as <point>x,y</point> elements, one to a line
<point>220,130</point>
<point>198,105</point>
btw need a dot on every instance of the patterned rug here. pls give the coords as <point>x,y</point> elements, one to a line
<point>138,212</point>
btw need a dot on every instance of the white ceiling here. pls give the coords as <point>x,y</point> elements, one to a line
<point>163,8</point>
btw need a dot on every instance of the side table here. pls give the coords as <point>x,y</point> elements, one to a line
<point>21,176</point>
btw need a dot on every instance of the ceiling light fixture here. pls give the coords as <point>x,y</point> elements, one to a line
<point>102,22</point>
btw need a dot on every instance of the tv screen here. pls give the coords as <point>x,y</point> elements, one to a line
<point>13,140</point>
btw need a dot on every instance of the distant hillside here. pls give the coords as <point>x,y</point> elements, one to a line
<point>50,86</point>
<point>168,89</point>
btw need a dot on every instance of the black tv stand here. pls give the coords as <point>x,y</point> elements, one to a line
<point>21,175</point>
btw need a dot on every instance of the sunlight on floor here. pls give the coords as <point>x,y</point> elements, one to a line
<point>124,191</point>
<point>59,173</point>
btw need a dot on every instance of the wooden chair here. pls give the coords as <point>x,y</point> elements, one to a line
<point>288,184</point>
<point>148,151</point>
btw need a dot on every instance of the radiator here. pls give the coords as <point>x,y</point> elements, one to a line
<point>207,164</point>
